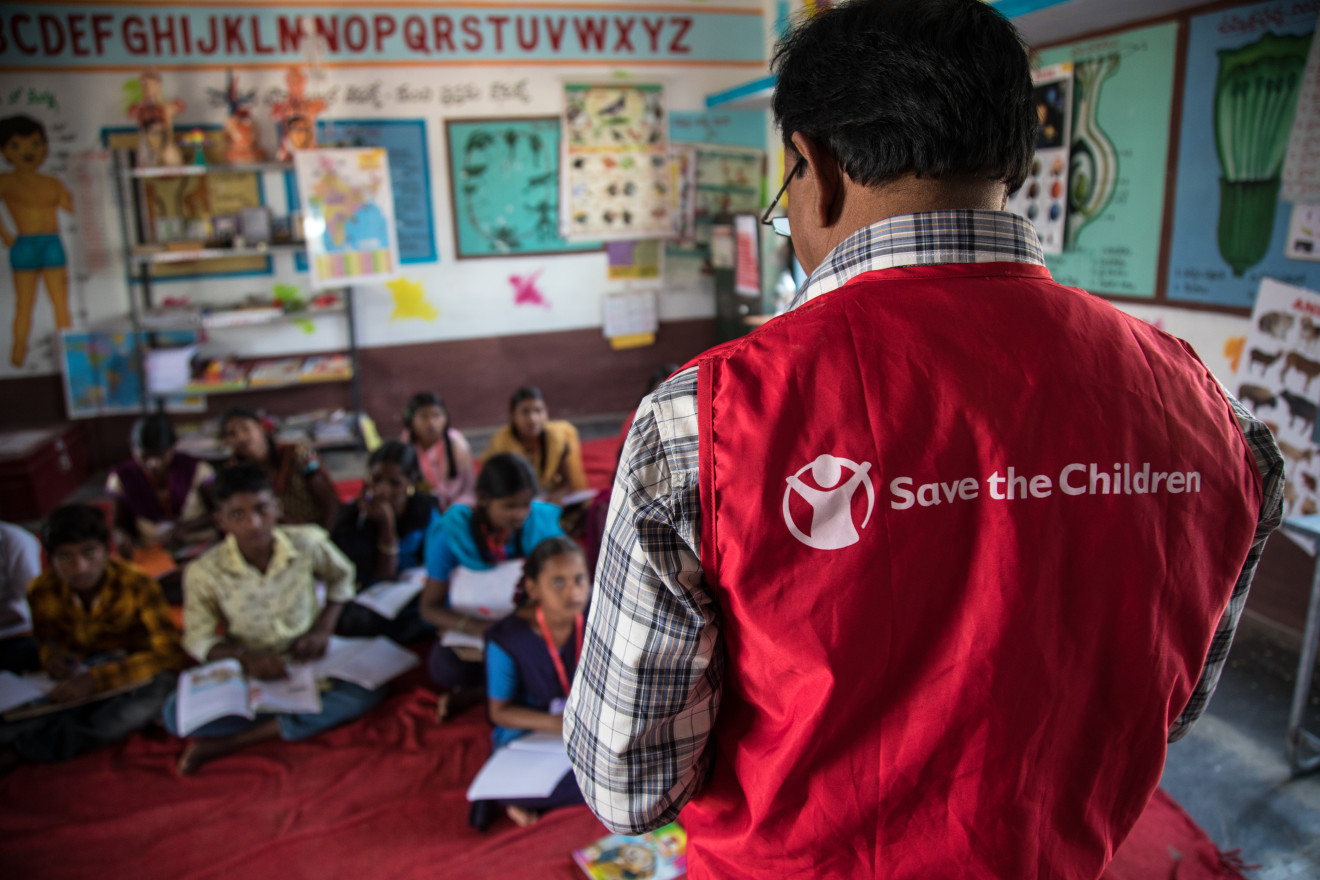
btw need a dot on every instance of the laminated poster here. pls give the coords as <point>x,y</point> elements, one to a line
<point>1278,378</point>
<point>348,215</point>
<point>1243,80</point>
<point>616,176</point>
<point>1116,162</point>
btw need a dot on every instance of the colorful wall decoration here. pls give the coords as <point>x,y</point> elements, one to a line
<point>504,185</point>
<point>1244,71</point>
<point>616,176</point>
<point>1122,100</point>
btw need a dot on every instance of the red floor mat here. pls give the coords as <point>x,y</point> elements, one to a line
<point>382,797</point>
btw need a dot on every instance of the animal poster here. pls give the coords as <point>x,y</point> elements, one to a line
<point>504,177</point>
<point>616,176</point>
<point>348,215</point>
<point>1279,380</point>
<point>1122,100</point>
<point>1243,79</point>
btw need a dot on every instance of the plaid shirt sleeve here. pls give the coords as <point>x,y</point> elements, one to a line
<point>164,653</point>
<point>1269,461</point>
<point>648,686</point>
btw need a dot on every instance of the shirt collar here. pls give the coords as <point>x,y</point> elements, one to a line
<point>926,239</point>
<point>284,552</point>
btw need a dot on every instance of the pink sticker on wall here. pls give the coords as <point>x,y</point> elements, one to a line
<point>525,292</point>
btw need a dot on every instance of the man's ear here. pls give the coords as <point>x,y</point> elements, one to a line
<point>826,177</point>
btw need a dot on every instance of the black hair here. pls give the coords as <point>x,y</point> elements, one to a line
<point>154,433</point>
<point>894,87</point>
<point>72,524</point>
<point>502,476</point>
<point>549,548</point>
<point>526,392</point>
<point>238,412</point>
<point>660,374</point>
<point>430,398</point>
<point>21,126</point>
<point>396,452</point>
<point>240,478</point>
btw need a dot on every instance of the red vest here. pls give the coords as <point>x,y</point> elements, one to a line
<point>971,533</point>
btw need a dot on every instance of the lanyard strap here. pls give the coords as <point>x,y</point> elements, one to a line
<point>554,652</point>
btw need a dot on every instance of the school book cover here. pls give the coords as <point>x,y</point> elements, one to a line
<point>656,855</point>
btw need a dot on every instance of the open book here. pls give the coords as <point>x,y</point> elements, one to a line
<point>220,689</point>
<point>368,663</point>
<point>528,767</point>
<point>487,595</point>
<point>388,597</point>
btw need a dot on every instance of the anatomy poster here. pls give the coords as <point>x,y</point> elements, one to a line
<point>1243,78</point>
<point>1279,379</point>
<point>504,176</point>
<point>1121,102</point>
<point>616,175</point>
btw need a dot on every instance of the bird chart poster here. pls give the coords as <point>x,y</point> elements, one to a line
<point>1278,378</point>
<point>504,176</point>
<point>348,215</point>
<point>616,169</point>
<point>1243,78</point>
<point>1122,101</point>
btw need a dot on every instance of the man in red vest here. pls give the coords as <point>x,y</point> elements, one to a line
<point>919,579</point>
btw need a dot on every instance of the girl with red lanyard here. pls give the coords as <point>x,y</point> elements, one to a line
<point>531,656</point>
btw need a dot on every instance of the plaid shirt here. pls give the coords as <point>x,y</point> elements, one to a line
<point>129,621</point>
<point>648,688</point>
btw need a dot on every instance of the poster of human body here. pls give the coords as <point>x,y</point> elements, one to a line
<point>1122,100</point>
<point>348,215</point>
<point>1244,73</point>
<point>616,170</point>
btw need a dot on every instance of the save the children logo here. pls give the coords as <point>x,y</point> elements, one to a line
<point>832,522</point>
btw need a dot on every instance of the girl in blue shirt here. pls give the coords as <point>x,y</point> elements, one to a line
<point>531,656</point>
<point>505,525</point>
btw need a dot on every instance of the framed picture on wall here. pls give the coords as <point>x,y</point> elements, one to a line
<point>504,177</point>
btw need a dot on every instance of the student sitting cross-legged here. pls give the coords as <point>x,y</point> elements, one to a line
<point>104,628</point>
<point>260,585</point>
<point>531,656</point>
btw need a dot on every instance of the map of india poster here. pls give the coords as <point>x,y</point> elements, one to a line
<point>348,216</point>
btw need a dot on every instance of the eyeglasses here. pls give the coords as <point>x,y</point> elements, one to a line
<point>780,224</point>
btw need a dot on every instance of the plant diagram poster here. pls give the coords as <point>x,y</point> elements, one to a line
<point>616,175</point>
<point>348,215</point>
<point>1121,103</point>
<point>1243,78</point>
<point>504,177</point>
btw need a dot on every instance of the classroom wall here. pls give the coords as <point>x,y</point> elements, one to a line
<point>415,69</point>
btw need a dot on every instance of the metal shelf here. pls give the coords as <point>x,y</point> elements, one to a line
<point>198,170</point>
<point>192,256</point>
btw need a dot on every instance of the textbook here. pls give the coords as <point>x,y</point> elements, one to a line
<point>16,690</point>
<point>529,767</point>
<point>388,597</point>
<point>219,690</point>
<point>367,663</point>
<point>656,855</point>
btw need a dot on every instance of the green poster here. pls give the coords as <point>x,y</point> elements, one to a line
<point>1122,99</point>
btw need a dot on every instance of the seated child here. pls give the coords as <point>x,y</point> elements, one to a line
<point>103,625</point>
<point>551,445</point>
<point>443,453</point>
<point>531,656</point>
<point>505,524</point>
<point>305,491</point>
<point>260,585</point>
<point>160,493</point>
<point>20,562</point>
<point>382,534</point>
